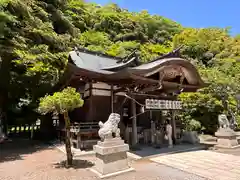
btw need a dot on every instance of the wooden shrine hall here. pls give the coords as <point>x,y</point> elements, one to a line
<point>124,85</point>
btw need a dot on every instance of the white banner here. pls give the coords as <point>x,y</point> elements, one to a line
<point>162,104</point>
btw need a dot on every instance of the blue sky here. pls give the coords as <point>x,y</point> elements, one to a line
<point>190,13</point>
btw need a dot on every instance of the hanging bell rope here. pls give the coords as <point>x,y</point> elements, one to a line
<point>134,100</point>
<point>142,106</point>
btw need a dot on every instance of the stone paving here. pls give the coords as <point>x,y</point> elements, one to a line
<point>208,164</point>
<point>41,164</point>
<point>234,151</point>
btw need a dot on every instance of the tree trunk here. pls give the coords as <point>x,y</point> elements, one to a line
<point>67,140</point>
<point>32,131</point>
<point>5,67</point>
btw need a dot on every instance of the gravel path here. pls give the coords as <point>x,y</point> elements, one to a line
<point>43,164</point>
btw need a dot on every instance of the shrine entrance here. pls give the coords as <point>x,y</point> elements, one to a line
<point>150,117</point>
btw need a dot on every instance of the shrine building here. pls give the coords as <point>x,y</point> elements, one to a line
<point>144,94</point>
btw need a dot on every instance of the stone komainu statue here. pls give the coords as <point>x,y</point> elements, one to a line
<point>223,121</point>
<point>110,127</point>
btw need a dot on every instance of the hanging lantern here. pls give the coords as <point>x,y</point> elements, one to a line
<point>142,110</point>
<point>125,112</point>
<point>55,117</point>
<point>115,99</point>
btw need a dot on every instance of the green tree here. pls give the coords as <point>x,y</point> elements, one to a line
<point>36,36</point>
<point>202,44</point>
<point>216,54</point>
<point>202,107</point>
<point>61,103</point>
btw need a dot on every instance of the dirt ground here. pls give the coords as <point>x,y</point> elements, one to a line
<point>42,162</point>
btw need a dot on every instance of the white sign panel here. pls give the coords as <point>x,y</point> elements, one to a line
<point>162,104</point>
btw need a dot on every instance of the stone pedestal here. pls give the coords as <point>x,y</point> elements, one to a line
<point>226,138</point>
<point>111,157</point>
<point>190,137</point>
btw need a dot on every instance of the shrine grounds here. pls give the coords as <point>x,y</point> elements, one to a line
<point>34,161</point>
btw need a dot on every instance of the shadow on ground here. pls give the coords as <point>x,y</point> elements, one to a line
<point>77,164</point>
<point>149,151</point>
<point>17,148</point>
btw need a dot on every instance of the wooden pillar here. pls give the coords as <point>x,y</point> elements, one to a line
<point>90,113</point>
<point>173,123</point>
<point>112,99</point>
<point>134,123</point>
<point>153,128</point>
<point>126,138</point>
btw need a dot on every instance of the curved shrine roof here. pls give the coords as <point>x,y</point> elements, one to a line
<point>101,67</point>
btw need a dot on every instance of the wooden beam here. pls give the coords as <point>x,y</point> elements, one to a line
<point>121,89</point>
<point>112,99</point>
<point>177,85</point>
<point>151,88</point>
<point>152,96</point>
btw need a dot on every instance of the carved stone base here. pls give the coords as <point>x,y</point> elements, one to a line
<point>226,139</point>
<point>111,158</point>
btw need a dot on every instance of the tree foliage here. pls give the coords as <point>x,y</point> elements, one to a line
<point>216,55</point>
<point>36,36</point>
<point>60,102</point>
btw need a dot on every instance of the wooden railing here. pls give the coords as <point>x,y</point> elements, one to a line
<point>83,135</point>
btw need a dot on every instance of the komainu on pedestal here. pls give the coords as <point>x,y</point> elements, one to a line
<point>109,129</point>
<point>111,151</point>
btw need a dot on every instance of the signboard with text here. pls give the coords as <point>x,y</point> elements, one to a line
<point>162,104</point>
